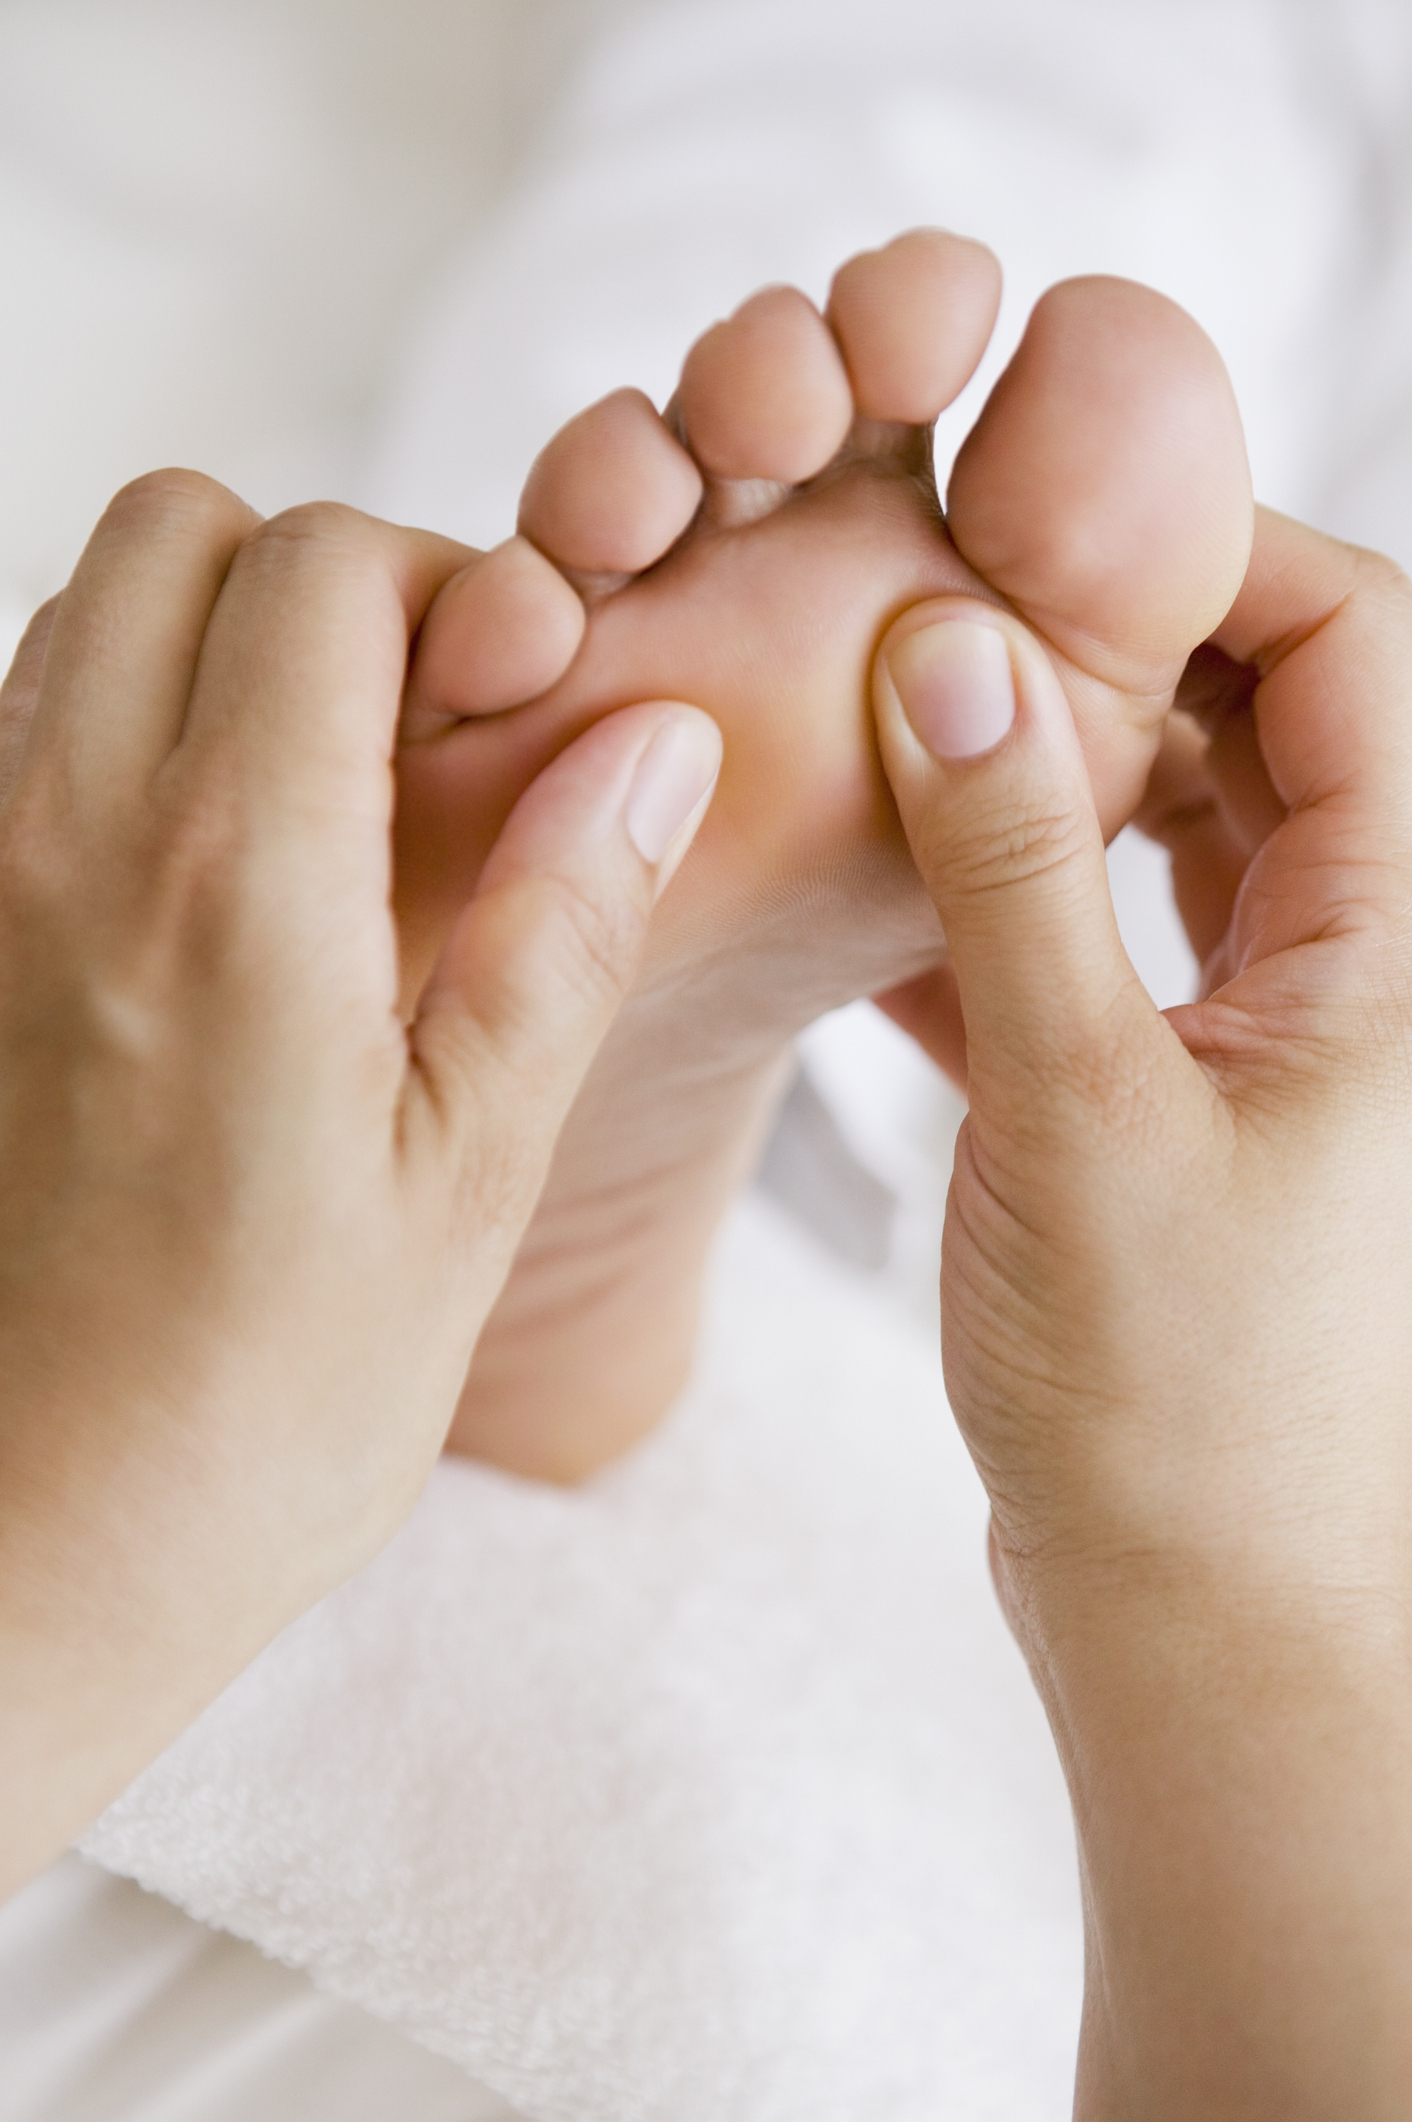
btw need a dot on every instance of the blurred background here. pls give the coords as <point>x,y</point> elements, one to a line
<point>235,234</point>
<point>215,221</point>
<point>379,249</point>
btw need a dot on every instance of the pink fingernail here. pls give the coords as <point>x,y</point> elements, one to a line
<point>956,686</point>
<point>674,777</point>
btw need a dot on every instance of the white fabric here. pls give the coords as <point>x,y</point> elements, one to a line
<point>115,2007</point>
<point>714,1788</point>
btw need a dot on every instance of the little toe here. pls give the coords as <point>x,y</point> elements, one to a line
<point>500,632</point>
<point>765,395</point>
<point>612,491</point>
<point>1105,489</point>
<point>913,320</point>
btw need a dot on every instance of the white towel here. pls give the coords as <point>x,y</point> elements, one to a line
<point>716,1788</point>
<point>116,2007</point>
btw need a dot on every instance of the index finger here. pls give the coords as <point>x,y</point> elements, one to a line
<point>299,681</point>
<point>124,638</point>
<point>1327,628</point>
<point>19,694</point>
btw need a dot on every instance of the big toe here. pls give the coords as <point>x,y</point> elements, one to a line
<point>1105,489</point>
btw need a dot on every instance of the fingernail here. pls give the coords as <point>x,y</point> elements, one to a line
<point>674,778</point>
<point>956,687</point>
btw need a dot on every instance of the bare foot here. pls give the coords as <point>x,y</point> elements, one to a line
<point>747,553</point>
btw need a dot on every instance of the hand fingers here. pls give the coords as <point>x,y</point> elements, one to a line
<point>1218,695</point>
<point>127,632</point>
<point>19,695</point>
<point>928,1009</point>
<point>1185,809</point>
<point>541,958</point>
<point>1328,630</point>
<point>984,762</point>
<point>294,707</point>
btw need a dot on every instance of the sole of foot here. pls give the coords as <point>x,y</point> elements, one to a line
<point>746,551</point>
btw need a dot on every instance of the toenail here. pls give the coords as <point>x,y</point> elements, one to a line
<point>955,685</point>
<point>674,777</point>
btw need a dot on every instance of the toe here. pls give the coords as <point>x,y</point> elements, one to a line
<point>913,320</point>
<point>612,491</point>
<point>1105,489</point>
<point>499,633</point>
<point>765,396</point>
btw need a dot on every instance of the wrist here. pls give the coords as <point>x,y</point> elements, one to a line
<point>129,1597</point>
<point>1239,1757</point>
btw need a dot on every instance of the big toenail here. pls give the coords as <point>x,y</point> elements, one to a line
<point>955,685</point>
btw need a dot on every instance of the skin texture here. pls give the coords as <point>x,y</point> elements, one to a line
<point>787,507</point>
<point>1177,1331</point>
<point>251,1222</point>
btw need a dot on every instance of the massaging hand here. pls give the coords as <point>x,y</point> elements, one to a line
<point>1177,1318</point>
<point>249,1225</point>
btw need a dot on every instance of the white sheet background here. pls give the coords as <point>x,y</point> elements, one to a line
<point>379,252</point>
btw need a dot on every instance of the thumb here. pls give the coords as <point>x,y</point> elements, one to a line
<point>980,748</point>
<point>542,956</point>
